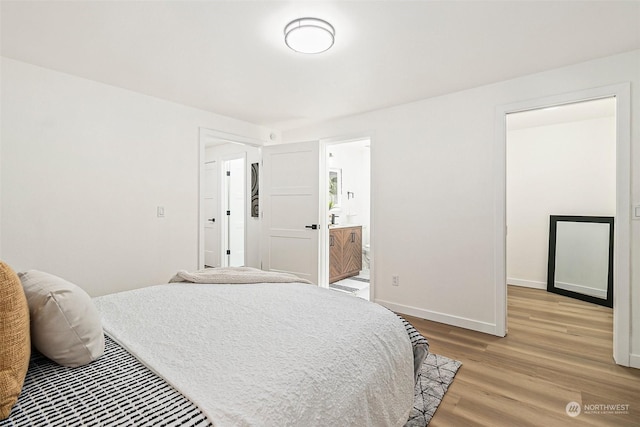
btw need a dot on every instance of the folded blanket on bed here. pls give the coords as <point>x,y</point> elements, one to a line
<point>235,275</point>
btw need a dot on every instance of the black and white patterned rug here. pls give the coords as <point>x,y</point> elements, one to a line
<point>436,374</point>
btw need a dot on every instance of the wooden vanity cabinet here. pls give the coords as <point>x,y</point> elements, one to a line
<point>345,252</point>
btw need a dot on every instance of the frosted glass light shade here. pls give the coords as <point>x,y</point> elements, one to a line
<point>309,35</point>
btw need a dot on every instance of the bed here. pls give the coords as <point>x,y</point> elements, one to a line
<point>252,354</point>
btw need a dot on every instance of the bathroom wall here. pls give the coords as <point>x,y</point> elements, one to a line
<point>354,160</point>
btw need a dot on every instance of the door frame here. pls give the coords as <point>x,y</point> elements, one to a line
<point>207,136</point>
<point>622,232</point>
<point>325,143</point>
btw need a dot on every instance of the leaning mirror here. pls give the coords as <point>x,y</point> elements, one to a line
<point>581,258</point>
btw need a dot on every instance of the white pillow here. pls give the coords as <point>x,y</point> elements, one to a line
<point>65,325</point>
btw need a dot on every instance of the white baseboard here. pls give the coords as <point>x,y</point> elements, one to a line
<point>462,322</point>
<point>527,283</point>
<point>634,361</point>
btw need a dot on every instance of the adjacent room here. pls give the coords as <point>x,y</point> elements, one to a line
<point>320,213</point>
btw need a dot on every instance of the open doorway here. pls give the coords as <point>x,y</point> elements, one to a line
<point>348,210</point>
<point>621,285</point>
<point>561,160</point>
<point>229,233</point>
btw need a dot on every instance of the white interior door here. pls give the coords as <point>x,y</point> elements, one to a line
<point>235,212</point>
<point>290,199</point>
<point>211,222</point>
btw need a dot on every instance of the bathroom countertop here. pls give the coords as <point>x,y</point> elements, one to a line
<point>344,225</point>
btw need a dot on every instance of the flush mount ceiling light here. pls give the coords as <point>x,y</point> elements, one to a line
<point>309,35</point>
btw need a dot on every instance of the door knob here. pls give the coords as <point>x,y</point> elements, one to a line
<point>312,226</point>
<point>212,219</point>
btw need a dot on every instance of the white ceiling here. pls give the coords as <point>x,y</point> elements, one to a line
<point>229,57</point>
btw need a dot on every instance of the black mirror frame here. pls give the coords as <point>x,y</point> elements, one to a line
<point>551,269</point>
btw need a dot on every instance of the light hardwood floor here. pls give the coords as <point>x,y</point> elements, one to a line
<point>557,350</point>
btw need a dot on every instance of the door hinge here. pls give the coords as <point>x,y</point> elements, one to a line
<point>228,212</point>
<point>228,252</point>
<point>228,173</point>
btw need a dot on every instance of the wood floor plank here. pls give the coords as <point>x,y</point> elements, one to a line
<point>557,350</point>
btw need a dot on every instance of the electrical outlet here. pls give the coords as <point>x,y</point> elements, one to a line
<point>395,280</point>
<point>160,211</point>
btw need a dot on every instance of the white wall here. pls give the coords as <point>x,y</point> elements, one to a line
<point>252,237</point>
<point>84,166</point>
<point>559,169</point>
<point>435,190</point>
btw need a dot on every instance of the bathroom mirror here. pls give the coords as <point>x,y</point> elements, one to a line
<point>581,258</point>
<point>335,187</point>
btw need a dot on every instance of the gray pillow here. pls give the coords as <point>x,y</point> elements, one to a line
<point>65,324</point>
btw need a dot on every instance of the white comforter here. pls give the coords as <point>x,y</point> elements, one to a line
<point>270,354</point>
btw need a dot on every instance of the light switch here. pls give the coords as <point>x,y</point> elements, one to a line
<point>160,211</point>
<point>636,212</point>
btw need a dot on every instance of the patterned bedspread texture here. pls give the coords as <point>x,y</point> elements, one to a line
<point>118,390</point>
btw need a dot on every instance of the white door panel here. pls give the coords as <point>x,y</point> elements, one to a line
<point>289,254</point>
<point>290,204</point>
<point>236,206</point>
<point>211,227</point>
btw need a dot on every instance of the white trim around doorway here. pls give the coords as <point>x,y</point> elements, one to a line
<point>622,249</point>
<point>205,137</point>
<point>324,239</point>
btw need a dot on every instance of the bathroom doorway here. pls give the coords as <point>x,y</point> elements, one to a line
<point>348,183</point>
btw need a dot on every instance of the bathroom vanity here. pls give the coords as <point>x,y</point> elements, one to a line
<point>345,251</point>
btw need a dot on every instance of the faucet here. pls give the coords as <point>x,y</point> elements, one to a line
<point>333,218</point>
